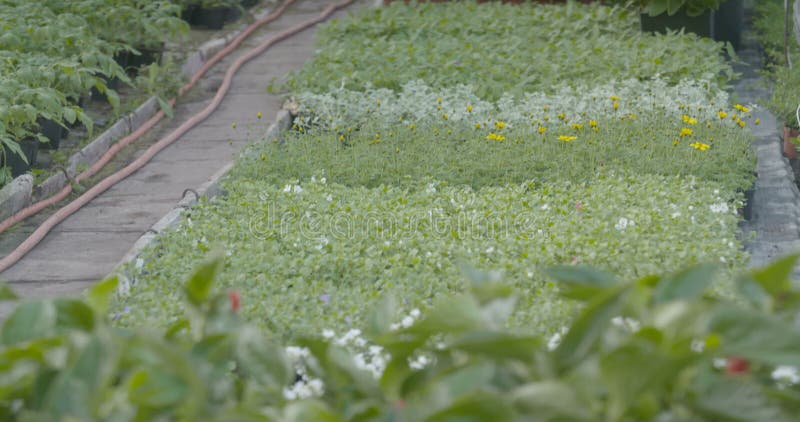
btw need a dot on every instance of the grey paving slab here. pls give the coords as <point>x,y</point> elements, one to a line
<point>91,242</point>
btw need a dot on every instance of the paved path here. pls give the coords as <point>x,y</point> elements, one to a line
<point>776,201</point>
<point>89,244</point>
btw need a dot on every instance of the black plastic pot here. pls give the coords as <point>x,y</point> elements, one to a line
<point>701,25</point>
<point>728,22</point>
<point>53,131</point>
<point>148,56</point>
<point>249,3</point>
<point>18,166</point>
<point>212,17</point>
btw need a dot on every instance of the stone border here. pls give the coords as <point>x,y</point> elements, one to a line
<point>211,188</point>
<point>21,192</point>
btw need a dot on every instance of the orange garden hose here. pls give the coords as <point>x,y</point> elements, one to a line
<point>150,152</point>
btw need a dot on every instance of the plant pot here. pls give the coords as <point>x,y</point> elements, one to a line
<point>211,18</point>
<point>53,131</point>
<point>728,22</point>
<point>700,25</point>
<point>248,3</point>
<point>146,57</point>
<point>18,166</point>
<point>747,210</point>
<point>789,149</point>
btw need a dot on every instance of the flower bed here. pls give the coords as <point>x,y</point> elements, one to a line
<point>391,186</point>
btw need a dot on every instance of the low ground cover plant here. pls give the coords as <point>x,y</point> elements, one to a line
<point>510,50</point>
<point>657,347</point>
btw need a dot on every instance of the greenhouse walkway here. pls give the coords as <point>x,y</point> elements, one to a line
<point>90,243</point>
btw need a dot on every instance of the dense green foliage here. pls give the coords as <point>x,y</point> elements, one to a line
<point>501,49</point>
<point>658,348</point>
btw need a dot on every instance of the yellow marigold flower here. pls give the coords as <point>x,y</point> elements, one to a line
<point>757,121</point>
<point>445,116</point>
<point>498,124</point>
<point>439,108</point>
<point>546,118</point>
<point>439,100</point>
<point>233,125</point>
<point>675,142</point>
<point>577,126</point>
<point>561,116</point>
<point>477,125</point>
<point>615,105</point>
<point>741,108</point>
<point>341,138</point>
<point>722,114</point>
<point>613,98</point>
<point>545,108</point>
<point>495,137</point>
<point>741,123</point>
<point>469,108</point>
<point>699,146</point>
<point>689,120</point>
<point>593,123</point>
<point>412,126</point>
<point>686,132</point>
<point>542,130</point>
<point>258,115</point>
<point>566,138</point>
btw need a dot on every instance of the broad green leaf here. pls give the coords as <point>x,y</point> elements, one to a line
<point>497,345</point>
<point>74,314</point>
<point>775,277</point>
<point>550,400</point>
<point>737,399</point>
<point>589,327</point>
<point>309,410</point>
<point>165,107</point>
<point>452,316</point>
<point>99,295</point>
<point>261,359</point>
<point>581,283</point>
<point>29,321</point>
<point>382,316</point>
<point>198,288</point>
<point>155,388</point>
<point>476,406</point>
<point>756,336</point>
<point>687,284</point>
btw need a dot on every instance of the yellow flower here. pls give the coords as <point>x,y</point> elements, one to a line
<point>689,120</point>
<point>258,115</point>
<point>498,124</point>
<point>495,137</point>
<point>439,108</point>
<point>613,98</point>
<point>675,142</point>
<point>593,123</point>
<point>445,116</point>
<point>577,126</point>
<point>757,121</point>
<point>545,108</point>
<point>562,116</point>
<point>477,125</point>
<point>469,108</point>
<point>233,125</point>
<point>741,108</point>
<point>566,138</point>
<point>615,105</point>
<point>546,118</point>
<point>439,100</point>
<point>542,130</point>
<point>341,138</point>
<point>741,123</point>
<point>699,146</point>
<point>686,132</point>
<point>412,126</point>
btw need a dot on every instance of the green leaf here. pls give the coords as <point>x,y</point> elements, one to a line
<point>309,410</point>
<point>165,107</point>
<point>737,400</point>
<point>74,314</point>
<point>155,388</point>
<point>29,321</point>
<point>775,278</point>
<point>581,283</point>
<point>452,316</point>
<point>756,336</point>
<point>261,359</point>
<point>498,345</point>
<point>198,288</point>
<point>476,406</point>
<point>99,295</point>
<point>589,327</point>
<point>550,400</point>
<point>382,316</point>
<point>687,284</point>
<point>6,293</point>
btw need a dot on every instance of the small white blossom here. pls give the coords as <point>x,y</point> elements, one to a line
<point>430,188</point>
<point>328,333</point>
<point>698,346</point>
<point>545,207</point>
<point>719,363</point>
<point>722,207</point>
<point>628,324</point>
<point>407,322</point>
<point>555,339</point>
<point>786,375</point>
<point>623,224</point>
<point>419,363</point>
<point>415,313</point>
<point>676,214</point>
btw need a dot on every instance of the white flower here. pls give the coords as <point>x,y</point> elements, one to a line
<point>719,363</point>
<point>323,180</point>
<point>722,207</point>
<point>628,324</point>
<point>698,346</point>
<point>555,339</point>
<point>489,250</point>
<point>292,189</point>
<point>676,214</point>
<point>415,313</point>
<point>419,363</point>
<point>407,322</point>
<point>545,207</point>
<point>786,375</point>
<point>328,333</point>
<point>623,223</point>
<point>430,188</point>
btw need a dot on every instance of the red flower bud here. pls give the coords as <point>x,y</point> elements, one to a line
<point>233,295</point>
<point>737,366</point>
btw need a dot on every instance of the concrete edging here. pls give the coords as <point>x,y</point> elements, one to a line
<point>21,192</point>
<point>211,188</point>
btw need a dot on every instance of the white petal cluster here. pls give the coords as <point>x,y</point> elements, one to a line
<point>721,207</point>
<point>305,386</point>
<point>289,188</point>
<point>786,376</point>
<point>623,224</point>
<point>625,323</point>
<point>556,338</point>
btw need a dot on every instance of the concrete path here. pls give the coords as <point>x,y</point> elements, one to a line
<point>776,199</point>
<point>89,244</point>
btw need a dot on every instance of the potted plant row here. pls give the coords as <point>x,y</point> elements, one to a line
<point>214,14</point>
